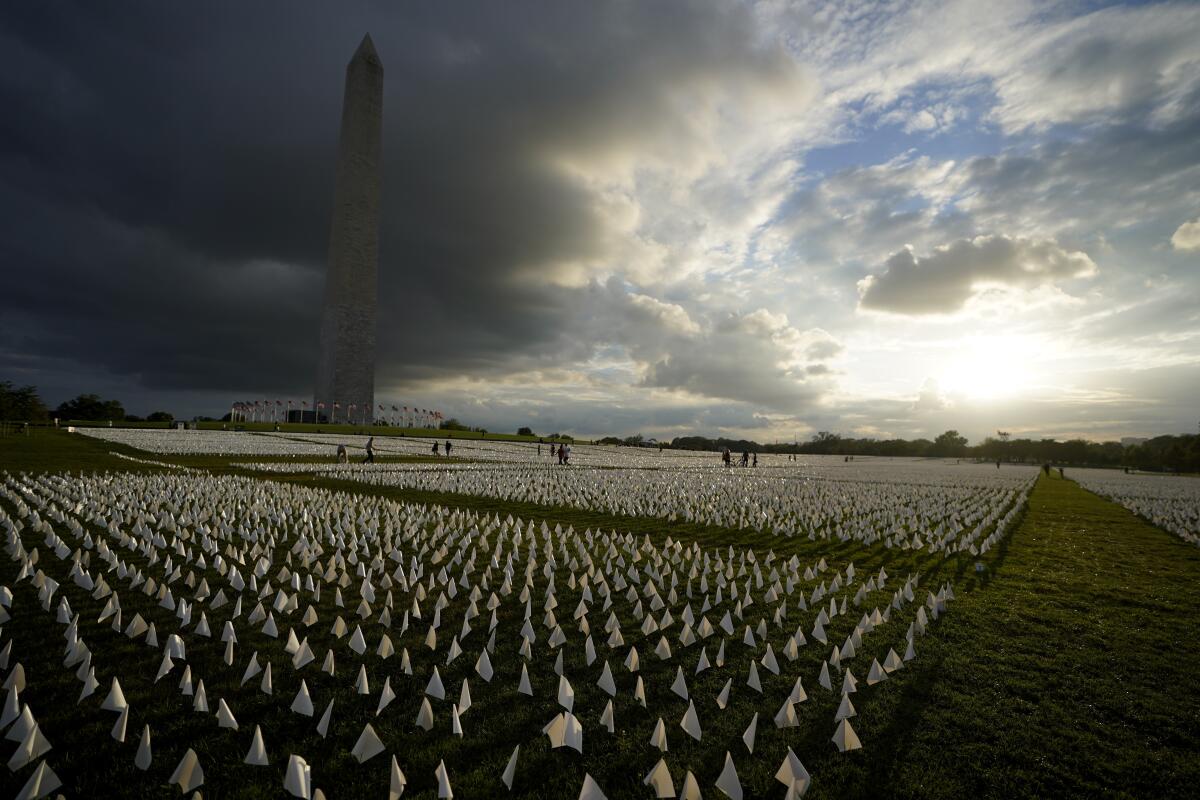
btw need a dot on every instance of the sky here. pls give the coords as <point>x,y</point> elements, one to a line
<point>760,219</point>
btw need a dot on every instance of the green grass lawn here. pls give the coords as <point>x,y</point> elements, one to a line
<point>1067,669</point>
<point>296,427</point>
<point>55,450</point>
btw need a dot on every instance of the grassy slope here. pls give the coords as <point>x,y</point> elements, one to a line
<point>1070,671</point>
<point>296,427</point>
<point>55,450</point>
<point>1074,674</point>
<point>51,450</point>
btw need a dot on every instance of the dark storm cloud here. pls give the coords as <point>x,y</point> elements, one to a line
<point>166,176</point>
<point>944,280</point>
<point>561,410</point>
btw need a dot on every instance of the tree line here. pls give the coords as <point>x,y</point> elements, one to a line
<point>23,404</point>
<point>1176,453</point>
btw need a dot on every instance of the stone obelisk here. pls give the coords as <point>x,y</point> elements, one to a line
<point>346,365</point>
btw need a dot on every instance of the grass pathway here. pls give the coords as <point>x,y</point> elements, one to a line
<point>1072,674</point>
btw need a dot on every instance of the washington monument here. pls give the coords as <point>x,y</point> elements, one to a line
<point>346,366</point>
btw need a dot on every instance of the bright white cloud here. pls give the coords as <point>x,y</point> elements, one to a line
<point>758,358</point>
<point>671,316</point>
<point>1187,236</point>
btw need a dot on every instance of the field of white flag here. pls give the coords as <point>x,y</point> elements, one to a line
<point>1171,504</point>
<point>238,634</point>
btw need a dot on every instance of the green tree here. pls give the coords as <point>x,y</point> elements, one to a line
<point>525,432</point>
<point>21,403</point>
<point>90,407</point>
<point>825,442</point>
<point>950,443</point>
<point>113,410</point>
<point>160,416</point>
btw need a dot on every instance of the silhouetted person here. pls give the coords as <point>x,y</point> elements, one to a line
<point>370,459</point>
<point>341,454</point>
<point>448,446</point>
<point>435,448</point>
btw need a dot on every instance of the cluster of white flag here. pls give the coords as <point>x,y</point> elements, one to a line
<point>288,583</point>
<point>962,517</point>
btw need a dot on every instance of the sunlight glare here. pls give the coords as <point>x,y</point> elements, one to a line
<point>991,367</point>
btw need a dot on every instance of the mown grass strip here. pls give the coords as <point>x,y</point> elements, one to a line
<point>1074,674</point>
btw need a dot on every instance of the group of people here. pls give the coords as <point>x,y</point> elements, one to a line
<point>343,457</point>
<point>727,458</point>
<point>1046,469</point>
<point>563,452</point>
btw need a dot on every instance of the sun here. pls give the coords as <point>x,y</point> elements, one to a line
<point>990,367</point>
